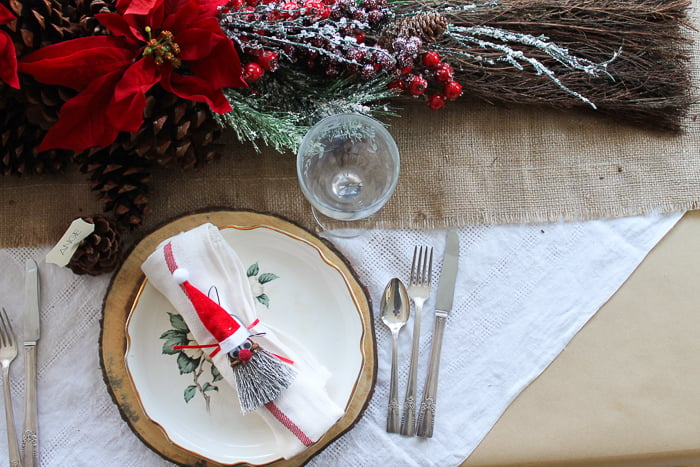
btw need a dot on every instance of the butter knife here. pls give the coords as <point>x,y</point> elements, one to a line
<point>30,432</point>
<point>443,305</point>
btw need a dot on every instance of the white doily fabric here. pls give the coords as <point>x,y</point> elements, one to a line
<point>522,293</point>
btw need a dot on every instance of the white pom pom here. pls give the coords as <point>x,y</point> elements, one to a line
<point>181,275</point>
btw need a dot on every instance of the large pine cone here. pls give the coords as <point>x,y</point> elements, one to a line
<point>44,22</point>
<point>19,138</point>
<point>121,179</point>
<point>176,132</point>
<point>99,252</point>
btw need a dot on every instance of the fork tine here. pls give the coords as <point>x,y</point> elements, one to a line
<point>10,332</point>
<point>413,266</point>
<point>430,267</point>
<point>4,338</point>
<point>419,267</point>
<point>425,267</point>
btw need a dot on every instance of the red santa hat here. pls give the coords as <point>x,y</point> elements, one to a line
<point>227,330</point>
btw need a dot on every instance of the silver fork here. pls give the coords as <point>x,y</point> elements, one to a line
<point>418,291</point>
<point>8,352</point>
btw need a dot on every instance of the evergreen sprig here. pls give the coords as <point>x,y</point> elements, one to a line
<point>287,103</point>
<point>253,121</point>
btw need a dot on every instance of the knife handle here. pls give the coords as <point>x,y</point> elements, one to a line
<point>426,413</point>
<point>30,432</point>
<point>408,419</point>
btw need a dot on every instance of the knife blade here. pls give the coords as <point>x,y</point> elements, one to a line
<point>443,305</point>
<point>32,332</point>
<point>448,275</point>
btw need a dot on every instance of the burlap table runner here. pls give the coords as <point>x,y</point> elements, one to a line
<point>466,163</point>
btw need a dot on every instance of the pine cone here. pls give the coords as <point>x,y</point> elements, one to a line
<point>44,22</point>
<point>39,23</point>
<point>121,179</point>
<point>43,102</point>
<point>429,26</point>
<point>84,16</point>
<point>19,138</point>
<point>176,132</point>
<point>100,251</point>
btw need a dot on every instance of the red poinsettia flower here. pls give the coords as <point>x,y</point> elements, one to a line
<point>177,43</point>
<point>8,55</point>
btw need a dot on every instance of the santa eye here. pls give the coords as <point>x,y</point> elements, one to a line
<point>234,353</point>
<point>247,345</point>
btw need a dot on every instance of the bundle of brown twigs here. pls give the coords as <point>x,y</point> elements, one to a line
<point>633,53</point>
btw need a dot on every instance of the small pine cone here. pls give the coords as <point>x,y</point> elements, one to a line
<point>429,26</point>
<point>121,179</point>
<point>99,252</point>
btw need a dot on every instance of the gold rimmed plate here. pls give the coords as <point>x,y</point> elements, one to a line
<point>174,400</point>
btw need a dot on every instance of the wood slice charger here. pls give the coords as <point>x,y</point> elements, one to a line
<point>124,292</point>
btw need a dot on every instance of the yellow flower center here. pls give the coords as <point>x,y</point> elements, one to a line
<point>163,48</point>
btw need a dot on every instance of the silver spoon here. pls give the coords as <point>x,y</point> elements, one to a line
<point>394,308</point>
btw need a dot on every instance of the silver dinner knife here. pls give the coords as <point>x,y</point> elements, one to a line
<point>443,305</point>
<point>30,432</point>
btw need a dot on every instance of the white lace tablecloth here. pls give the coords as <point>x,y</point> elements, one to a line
<point>522,293</point>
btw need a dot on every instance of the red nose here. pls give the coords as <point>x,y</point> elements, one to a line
<point>245,355</point>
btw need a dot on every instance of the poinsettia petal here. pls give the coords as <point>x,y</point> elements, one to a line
<point>78,62</point>
<point>122,5</point>
<point>222,68</point>
<point>196,89</point>
<point>181,14</point>
<point>210,7</point>
<point>8,61</point>
<point>139,14</point>
<point>82,122</point>
<point>141,7</point>
<point>116,24</point>
<point>195,44</point>
<point>126,110</point>
<point>6,15</point>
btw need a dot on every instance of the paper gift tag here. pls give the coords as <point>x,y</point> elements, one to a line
<point>66,246</point>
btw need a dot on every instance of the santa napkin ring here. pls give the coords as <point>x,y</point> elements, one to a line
<point>260,375</point>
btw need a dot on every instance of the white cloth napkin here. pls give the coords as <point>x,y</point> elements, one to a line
<point>523,291</point>
<point>211,262</point>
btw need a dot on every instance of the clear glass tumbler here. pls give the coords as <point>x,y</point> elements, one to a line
<point>348,167</point>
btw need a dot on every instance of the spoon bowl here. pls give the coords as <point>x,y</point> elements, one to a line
<point>394,311</point>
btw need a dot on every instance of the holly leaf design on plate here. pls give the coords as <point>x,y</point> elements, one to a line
<point>264,299</point>
<point>177,322</point>
<point>253,270</point>
<point>190,392</point>
<point>209,387</point>
<point>267,277</point>
<point>172,338</point>
<point>186,364</point>
<point>215,374</point>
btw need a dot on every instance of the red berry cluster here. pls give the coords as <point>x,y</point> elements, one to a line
<point>264,60</point>
<point>430,77</point>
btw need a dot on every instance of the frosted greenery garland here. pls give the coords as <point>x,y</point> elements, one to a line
<point>287,103</point>
<point>294,32</point>
<point>278,130</point>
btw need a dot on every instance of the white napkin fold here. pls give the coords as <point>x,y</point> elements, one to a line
<point>304,411</point>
